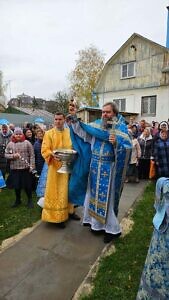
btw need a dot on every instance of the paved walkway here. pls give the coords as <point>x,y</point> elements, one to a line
<point>50,263</point>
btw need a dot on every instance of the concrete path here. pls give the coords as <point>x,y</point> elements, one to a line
<point>50,263</point>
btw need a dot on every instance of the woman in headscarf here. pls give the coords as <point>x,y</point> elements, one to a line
<point>163,126</point>
<point>22,161</point>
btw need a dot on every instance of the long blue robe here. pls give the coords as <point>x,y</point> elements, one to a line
<point>103,164</point>
<point>154,282</point>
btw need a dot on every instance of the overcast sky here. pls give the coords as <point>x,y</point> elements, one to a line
<point>40,39</point>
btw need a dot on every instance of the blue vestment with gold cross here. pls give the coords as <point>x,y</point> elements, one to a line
<point>105,167</point>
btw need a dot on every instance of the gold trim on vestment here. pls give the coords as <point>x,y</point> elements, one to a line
<point>98,176</point>
<point>99,205</point>
<point>113,131</point>
<point>58,209</point>
<point>97,217</point>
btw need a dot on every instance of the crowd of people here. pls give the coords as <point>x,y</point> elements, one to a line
<point>20,158</point>
<point>97,173</point>
<point>110,152</point>
<point>150,143</point>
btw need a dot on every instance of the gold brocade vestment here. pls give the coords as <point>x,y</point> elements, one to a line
<point>56,208</point>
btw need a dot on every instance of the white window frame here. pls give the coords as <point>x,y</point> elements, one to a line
<point>127,65</point>
<point>119,102</point>
<point>149,100</point>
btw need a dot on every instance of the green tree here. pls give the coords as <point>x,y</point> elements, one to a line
<point>87,71</point>
<point>61,102</point>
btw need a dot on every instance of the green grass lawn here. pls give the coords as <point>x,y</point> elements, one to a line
<point>13,220</point>
<point>119,274</point>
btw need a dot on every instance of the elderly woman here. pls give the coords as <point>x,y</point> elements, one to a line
<point>163,126</point>
<point>146,143</point>
<point>20,153</point>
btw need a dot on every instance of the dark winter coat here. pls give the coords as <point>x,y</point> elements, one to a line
<point>161,157</point>
<point>39,160</point>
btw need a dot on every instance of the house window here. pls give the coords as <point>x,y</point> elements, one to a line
<point>148,106</point>
<point>121,104</point>
<point>128,70</point>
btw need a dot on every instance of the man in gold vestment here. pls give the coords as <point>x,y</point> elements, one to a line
<point>56,207</point>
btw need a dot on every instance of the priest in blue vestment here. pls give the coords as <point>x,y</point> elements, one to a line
<point>98,175</point>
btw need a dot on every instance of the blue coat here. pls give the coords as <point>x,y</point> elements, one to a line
<point>161,156</point>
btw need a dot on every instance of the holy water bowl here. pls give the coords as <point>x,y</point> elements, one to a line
<point>67,156</point>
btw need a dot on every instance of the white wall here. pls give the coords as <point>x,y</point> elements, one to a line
<point>133,101</point>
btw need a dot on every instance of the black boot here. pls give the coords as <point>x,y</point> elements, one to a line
<point>17,197</point>
<point>61,225</point>
<point>30,203</point>
<point>74,217</point>
<point>108,237</point>
<point>16,203</point>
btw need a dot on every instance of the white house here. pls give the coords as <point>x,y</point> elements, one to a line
<point>136,77</point>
